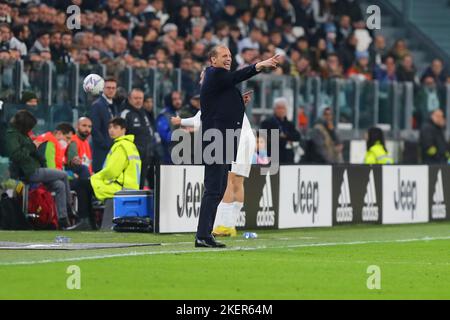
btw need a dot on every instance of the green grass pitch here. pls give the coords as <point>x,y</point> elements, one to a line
<point>413,260</point>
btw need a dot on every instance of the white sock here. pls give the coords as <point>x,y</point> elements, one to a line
<point>223,214</point>
<point>237,207</point>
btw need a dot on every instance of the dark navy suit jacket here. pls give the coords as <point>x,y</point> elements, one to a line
<point>222,103</point>
<point>101,113</point>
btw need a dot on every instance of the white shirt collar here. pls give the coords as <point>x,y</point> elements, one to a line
<point>108,100</point>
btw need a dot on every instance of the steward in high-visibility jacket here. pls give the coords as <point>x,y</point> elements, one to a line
<point>377,154</point>
<point>121,171</point>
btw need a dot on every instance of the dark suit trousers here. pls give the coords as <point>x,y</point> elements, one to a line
<point>216,178</point>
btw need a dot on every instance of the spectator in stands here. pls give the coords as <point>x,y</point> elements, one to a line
<point>344,30</point>
<point>139,125</point>
<point>21,39</point>
<point>5,13</point>
<point>260,19</point>
<point>304,16</point>
<point>361,69</point>
<point>244,23</point>
<point>42,45</point>
<point>325,146</point>
<point>399,50</point>
<point>252,41</point>
<point>387,72</point>
<point>406,72</point>
<point>347,53</point>
<point>437,72</point>
<point>376,148</point>
<point>28,165</point>
<point>323,11</point>
<point>102,111</point>
<point>79,162</point>
<point>173,102</point>
<point>378,51</point>
<point>427,100</point>
<point>333,68</point>
<point>288,133</point>
<point>434,146</point>
<point>122,166</point>
<point>61,46</point>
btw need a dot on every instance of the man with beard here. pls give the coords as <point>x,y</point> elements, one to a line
<point>79,166</point>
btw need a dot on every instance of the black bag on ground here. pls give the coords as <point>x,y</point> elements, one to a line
<point>133,224</point>
<point>11,215</point>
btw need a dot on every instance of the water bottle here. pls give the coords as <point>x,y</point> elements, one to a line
<point>250,235</point>
<point>61,239</point>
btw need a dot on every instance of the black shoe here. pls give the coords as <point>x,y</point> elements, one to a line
<point>63,223</point>
<point>208,243</point>
<point>83,225</point>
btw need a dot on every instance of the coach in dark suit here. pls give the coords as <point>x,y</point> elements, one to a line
<point>222,108</point>
<point>102,111</point>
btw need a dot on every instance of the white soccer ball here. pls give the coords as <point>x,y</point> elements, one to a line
<point>93,84</point>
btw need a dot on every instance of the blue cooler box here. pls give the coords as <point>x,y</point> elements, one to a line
<point>134,204</point>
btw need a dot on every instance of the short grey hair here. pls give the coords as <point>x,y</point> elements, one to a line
<point>280,100</point>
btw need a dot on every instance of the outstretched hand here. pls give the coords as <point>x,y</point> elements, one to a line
<point>271,63</point>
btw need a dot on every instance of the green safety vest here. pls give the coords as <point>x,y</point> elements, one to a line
<point>118,175</point>
<point>377,155</point>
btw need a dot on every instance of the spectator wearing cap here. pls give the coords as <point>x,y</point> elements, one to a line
<point>361,68</point>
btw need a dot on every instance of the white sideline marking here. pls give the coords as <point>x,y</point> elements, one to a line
<point>137,254</point>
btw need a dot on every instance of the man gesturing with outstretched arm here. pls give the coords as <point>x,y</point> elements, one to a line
<point>222,108</point>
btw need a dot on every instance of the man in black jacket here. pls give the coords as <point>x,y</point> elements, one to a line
<point>222,108</point>
<point>435,149</point>
<point>139,125</point>
<point>288,132</point>
<point>102,111</point>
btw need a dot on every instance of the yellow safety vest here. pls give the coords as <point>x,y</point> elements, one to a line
<point>118,175</point>
<point>377,155</point>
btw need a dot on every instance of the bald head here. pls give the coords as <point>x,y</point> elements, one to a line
<point>84,127</point>
<point>438,118</point>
